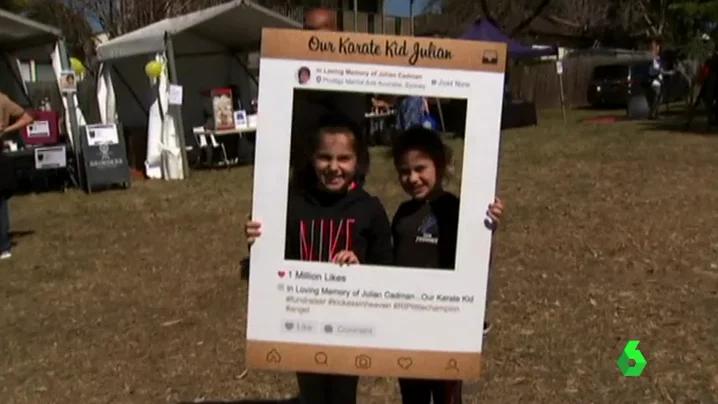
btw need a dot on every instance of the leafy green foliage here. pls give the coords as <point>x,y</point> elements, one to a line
<point>695,10</point>
<point>14,6</point>
<point>73,24</point>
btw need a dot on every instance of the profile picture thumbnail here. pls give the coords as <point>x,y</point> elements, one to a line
<point>68,82</point>
<point>303,75</point>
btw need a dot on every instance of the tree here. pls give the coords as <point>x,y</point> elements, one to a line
<point>121,16</point>
<point>13,6</point>
<point>115,17</point>
<point>612,22</point>
<point>623,23</point>
<point>511,16</point>
<point>705,10</point>
<point>694,17</point>
<point>74,26</point>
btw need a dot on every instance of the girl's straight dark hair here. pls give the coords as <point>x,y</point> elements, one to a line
<point>303,175</point>
<point>426,141</point>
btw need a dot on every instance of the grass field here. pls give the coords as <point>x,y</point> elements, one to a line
<point>609,235</point>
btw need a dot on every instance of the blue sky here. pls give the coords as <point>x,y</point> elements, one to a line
<point>401,7</point>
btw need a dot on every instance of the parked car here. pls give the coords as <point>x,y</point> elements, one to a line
<point>613,84</point>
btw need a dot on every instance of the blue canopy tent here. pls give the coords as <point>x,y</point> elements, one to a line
<point>515,114</point>
<point>486,30</point>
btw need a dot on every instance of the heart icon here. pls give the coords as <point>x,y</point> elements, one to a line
<point>288,325</point>
<point>281,274</point>
<point>405,362</point>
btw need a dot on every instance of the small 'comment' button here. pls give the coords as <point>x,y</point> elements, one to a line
<point>348,330</point>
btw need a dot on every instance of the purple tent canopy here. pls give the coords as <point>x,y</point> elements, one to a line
<point>484,30</point>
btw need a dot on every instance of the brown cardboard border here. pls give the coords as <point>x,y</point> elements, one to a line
<point>465,55</point>
<point>281,356</point>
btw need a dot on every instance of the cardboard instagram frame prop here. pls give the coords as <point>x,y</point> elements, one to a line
<point>364,319</point>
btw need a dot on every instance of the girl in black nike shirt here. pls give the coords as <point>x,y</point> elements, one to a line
<point>430,221</point>
<point>330,218</point>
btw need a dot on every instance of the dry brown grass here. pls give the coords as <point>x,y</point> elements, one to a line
<point>610,235</point>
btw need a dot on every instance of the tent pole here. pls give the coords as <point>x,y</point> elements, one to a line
<point>383,18</point>
<point>179,124</point>
<point>18,79</point>
<point>411,32</point>
<point>129,88</point>
<point>72,113</point>
<point>411,17</point>
<point>244,67</point>
<point>441,115</point>
<point>563,98</point>
<point>559,73</point>
<point>356,15</point>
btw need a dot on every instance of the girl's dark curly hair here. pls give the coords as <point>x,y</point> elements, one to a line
<point>428,142</point>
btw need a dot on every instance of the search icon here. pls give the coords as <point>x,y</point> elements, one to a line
<point>321,358</point>
<point>452,365</point>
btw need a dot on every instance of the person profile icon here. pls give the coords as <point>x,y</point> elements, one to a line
<point>303,75</point>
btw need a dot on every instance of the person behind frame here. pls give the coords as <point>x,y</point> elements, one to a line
<point>331,219</point>
<point>425,232</point>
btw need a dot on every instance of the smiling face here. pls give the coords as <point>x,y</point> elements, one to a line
<point>303,76</point>
<point>335,160</point>
<point>418,174</point>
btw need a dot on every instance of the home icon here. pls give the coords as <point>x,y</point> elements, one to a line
<point>273,356</point>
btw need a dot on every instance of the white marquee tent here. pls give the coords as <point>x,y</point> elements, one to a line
<point>24,39</point>
<point>202,50</point>
<point>17,33</point>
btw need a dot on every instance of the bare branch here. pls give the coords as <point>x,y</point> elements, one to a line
<point>74,26</point>
<point>528,20</point>
<point>486,10</point>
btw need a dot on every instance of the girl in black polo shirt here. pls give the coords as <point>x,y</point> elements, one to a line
<point>428,220</point>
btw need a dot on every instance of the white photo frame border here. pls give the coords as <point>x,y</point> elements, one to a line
<point>427,354</point>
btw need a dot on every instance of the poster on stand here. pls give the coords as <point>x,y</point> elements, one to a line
<point>223,107</point>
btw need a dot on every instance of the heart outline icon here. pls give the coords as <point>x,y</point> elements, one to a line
<point>281,273</point>
<point>404,362</point>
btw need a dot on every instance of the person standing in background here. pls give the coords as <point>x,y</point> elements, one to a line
<point>708,79</point>
<point>411,112</point>
<point>656,72</point>
<point>9,111</point>
<point>320,19</point>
